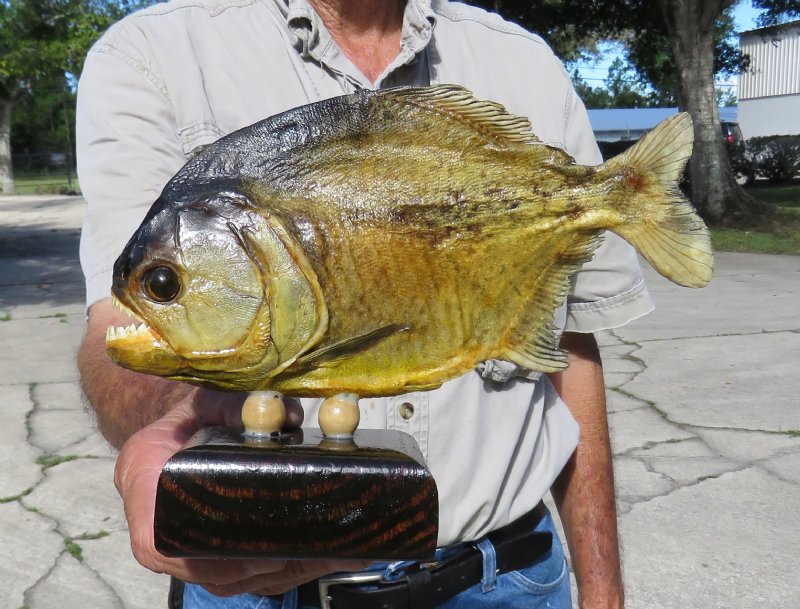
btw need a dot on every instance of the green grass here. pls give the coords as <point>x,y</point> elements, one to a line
<point>48,461</point>
<point>784,195</point>
<point>62,317</point>
<point>781,236</point>
<point>74,549</point>
<point>755,241</point>
<point>49,184</point>
<point>11,498</point>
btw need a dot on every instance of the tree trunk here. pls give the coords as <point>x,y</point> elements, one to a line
<point>6,172</point>
<point>714,190</point>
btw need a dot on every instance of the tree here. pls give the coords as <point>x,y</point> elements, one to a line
<point>42,46</point>
<point>690,25</point>
<point>694,52</point>
<point>41,117</point>
<point>650,52</point>
<point>622,89</point>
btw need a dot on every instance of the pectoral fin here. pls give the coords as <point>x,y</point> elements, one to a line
<point>332,354</point>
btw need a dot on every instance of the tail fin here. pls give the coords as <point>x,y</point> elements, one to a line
<point>673,239</point>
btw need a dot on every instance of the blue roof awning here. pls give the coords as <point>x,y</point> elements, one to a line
<point>639,120</point>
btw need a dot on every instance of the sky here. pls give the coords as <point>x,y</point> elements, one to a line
<point>745,16</point>
<point>595,73</point>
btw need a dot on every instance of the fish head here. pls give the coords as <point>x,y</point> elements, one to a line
<point>221,299</point>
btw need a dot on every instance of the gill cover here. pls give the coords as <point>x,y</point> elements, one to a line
<point>297,311</point>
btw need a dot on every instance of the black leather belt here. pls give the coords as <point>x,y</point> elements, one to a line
<point>516,546</point>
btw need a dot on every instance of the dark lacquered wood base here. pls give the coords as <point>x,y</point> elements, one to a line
<point>297,495</point>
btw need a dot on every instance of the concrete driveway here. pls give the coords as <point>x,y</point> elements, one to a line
<point>704,408</point>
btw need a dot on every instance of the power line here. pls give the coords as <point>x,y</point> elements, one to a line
<point>592,67</point>
<point>633,82</point>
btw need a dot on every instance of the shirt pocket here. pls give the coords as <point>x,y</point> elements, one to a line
<point>196,136</point>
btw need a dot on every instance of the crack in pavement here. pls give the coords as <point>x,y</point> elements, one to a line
<point>703,336</point>
<point>47,460</point>
<point>626,350</point>
<point>654,406</point>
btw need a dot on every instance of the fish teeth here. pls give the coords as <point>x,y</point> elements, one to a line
<point>130,331</point>
<point>121,307</point>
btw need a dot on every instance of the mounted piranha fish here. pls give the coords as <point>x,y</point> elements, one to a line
<point>342,246</point>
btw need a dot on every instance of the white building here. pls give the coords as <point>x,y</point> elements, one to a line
<point>769,92</point>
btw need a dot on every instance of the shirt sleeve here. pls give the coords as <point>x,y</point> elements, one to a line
<point>126,152</point>
<point>609,290</point>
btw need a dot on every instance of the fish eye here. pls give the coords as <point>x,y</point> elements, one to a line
<point>161,284</point>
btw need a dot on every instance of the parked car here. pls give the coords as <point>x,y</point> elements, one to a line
<point>731,133</point>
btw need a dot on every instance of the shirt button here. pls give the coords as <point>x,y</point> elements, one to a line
<point>406,410</point>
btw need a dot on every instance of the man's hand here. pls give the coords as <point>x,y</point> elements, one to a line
<point>151,419</point>
<point>139,464</point>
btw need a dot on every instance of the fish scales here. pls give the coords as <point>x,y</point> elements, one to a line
<point>397,238</point>
<point>422,296</point>
<point>429,276</point>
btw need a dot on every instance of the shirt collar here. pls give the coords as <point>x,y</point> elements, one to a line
<point>312,38</point>
<point>418,23</point>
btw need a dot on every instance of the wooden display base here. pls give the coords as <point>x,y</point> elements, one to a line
<point>297,495</point>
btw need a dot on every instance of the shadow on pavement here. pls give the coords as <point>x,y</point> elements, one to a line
<point>39,265</point>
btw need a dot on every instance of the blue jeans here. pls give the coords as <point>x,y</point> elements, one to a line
<point>544,584</point>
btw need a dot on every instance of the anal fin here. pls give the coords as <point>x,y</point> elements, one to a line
<point>532,341</point>
<point>541,354</point>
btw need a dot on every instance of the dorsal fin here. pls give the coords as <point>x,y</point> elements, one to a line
<point>457,103</point>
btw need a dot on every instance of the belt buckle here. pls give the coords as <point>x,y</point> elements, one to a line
<point>344,578</point>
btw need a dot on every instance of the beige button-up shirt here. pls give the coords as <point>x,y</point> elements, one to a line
<point>173,78</point>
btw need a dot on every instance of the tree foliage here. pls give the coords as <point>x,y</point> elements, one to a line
<point>776,11</point>
<point>674,45</point>
<point>639,29</point>
<point>42,47</point>
<point>622,88</point>
<point>44,38</point>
